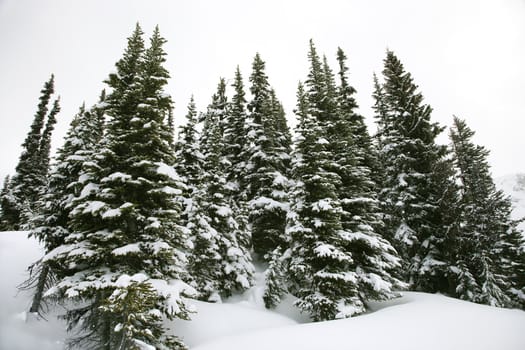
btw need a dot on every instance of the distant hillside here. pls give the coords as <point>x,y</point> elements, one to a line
<point>514,186</point>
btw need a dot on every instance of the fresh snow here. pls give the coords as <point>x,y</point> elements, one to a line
<point>514,186</point>
<point>169,171</point>
<point>413,322</point>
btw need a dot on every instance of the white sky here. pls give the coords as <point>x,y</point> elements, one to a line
<point>468,57</point>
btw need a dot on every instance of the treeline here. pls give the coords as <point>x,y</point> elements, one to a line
<point>134,220</point>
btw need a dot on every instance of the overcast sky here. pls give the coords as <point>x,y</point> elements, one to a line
<point>468,57</point>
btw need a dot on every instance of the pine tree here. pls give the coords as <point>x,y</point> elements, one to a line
<point>125,254</point>
<point>8,206</point>
<point>409,156</point>
<point>189,159</point>
<point>31,171</point>
<point>267,157</point>
<point>235,132</point>
<point>318,269</point>
<point>187,148</point>
<point>218,263</point>
<point>51,224</point>
<point>235,151</point>
<point>374,259</point>
<point>491,247</point>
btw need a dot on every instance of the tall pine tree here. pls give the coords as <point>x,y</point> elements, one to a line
<point>219,264</point>
<point>267,157</point>
<point>125,254</point>
<point>355,160</point>
<point>490,257</point>
<point>51,224</point>
<point>318,264</point>
<point>409,156</point>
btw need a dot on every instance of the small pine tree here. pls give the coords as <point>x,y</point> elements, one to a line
<point>31,171</point>
<point>275,279</point>
<point>8,206</point>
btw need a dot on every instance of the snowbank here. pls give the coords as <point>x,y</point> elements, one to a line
<point>415,321</point>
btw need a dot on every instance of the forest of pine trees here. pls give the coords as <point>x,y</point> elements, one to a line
<point>136,220</point>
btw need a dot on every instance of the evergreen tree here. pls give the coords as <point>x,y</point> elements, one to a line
<point>8,206</point>
<point>374,259</point>
<point>235,133</point>
<point>409,156</point>
<point>218,264</point>
<point>267,157</point>
<point>125,254</point>
<point>31,171</point>
<point>189,162</point>
<point>319,267</point>
<point>491,247</point>
<point>235,152</point>
<point>189,159</point>
<point>51,224</point>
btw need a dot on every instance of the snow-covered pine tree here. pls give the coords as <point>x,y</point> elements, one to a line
<point>409,156</point>
<point>283,135</point>
<point>235,146</point>
<point>187,148</point>
<point>8,209</point>
<point>491,246</point>
<point>355,159</point>
<point>267,156</point>
<point>31,171</point>
<point>188,158</point>
<point>219,265</point>
<point>44,149</point>
<point>439,266</point>
<point>125,253</point>
<point>279,260</point>
<point>235,133</point>
<point>319,266</point>
<point>51,224</point>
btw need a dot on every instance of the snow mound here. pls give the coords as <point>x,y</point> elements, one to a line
<point>415,321</point>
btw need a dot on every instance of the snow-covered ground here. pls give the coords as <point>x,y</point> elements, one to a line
<point>415,321</point>
<point>514,186</point>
